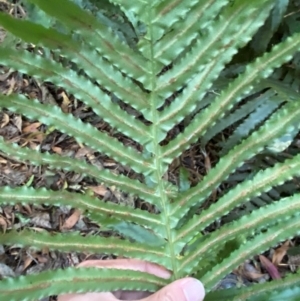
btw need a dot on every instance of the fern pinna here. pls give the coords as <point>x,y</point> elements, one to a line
<point>168,77</point>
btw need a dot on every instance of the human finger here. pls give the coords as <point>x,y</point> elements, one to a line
<point>186,289</point>
<point>130,264</point>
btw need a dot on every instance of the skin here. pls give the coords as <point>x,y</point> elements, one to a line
<point>172,292</point>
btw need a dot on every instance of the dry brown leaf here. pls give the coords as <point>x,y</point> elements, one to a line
<point>4,121</point>
<point>294,262</point>
<point>12,83</point>
<point>100,189</point>
<point>6,75</point>
<point>280,253</point>
<point>18,123</point>
<point>57,150</point>
<point>9,214</point>
<point>35,269</point>
<point>33,145</point>
<point>249,272</point>
<point>65,103</point>
<point>3,223</point>
<point>33,137</point>
<point>207,162</point>
<point>270,267</point>
<point>82,152</point>
<point>41,258</point>
<point>71,220</point>
<point>27,262</point>
<point>31,128</point>
<point>33,94</point>
<point>26,208</point>
<point>109,164</point>
<point>41,219</point>
<point>3,161</point>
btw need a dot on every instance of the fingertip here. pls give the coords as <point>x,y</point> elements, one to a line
<point>187,289</point>
<point>193,289</point>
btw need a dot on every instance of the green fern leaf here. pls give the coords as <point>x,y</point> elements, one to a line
<point>286,289</point>
<point>35,287</point>
<point>260,243</point>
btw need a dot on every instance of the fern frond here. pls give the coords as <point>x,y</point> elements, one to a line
<point>138,7</point>
<point>65,163</point>
<point>208,57</point>
<point>26,195</point>
<point>239,114</point>
<point>274,127</point>
<point>166,13</point>
<point>243,192</point>
<point>243,85</point>
<point>276,290</point>
<point>92,244</point>
<point>244,227</point>
<point>79,53</point>
<point>84,132</point>
<point>186,30</point>
<point>259,244</point>
<point>262,111</point>
<point>262,39</point>
<point>80,87</point>
<point>182,77</point>
<point>38,286</point>
<point>283,89</point>
<point>96,34</point>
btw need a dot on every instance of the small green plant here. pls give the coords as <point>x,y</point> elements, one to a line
<point>168,74</point>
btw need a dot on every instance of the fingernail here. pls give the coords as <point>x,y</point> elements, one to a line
<point>193,290</point>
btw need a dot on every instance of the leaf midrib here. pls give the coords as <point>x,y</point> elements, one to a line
<point>157,158</point>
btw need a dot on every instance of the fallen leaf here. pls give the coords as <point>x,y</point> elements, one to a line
<point>41,258</point>
<point>3,161</point>
<point>33,137</point>
<point>4,121</point>
<point>65,103</point>
<point>280,253</point>
<point>294,262</point>
<point>27,262</point>
<point>270,267</point>
<point>27,209</point>
<point>249,272</point>
<point>33,145</point>
<point>42,220</point>
<point>82,152</point>
<point>18,123</point>
<point>57,149</point>
<point>100,189</point>
<point>3,223</point>
<point>37,268</point>
<point>31,128</point>
<point>71,220</point>
<point>7,74</point>
<point>207,162</point>
<point>109,164</point>
<point>12,83</point>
